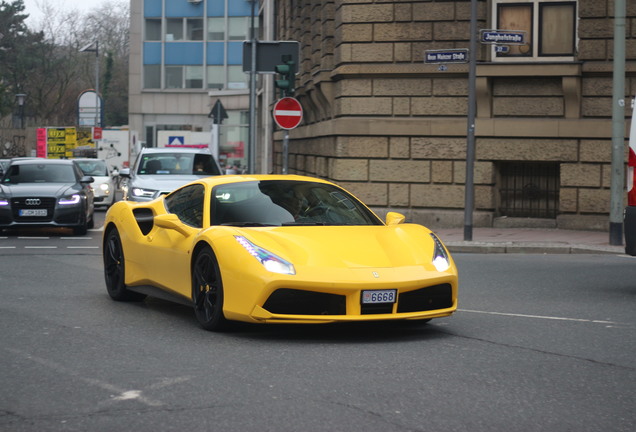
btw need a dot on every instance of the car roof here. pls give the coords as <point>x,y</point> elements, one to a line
<point>29,161</point>
<point>228,179</point>
<point>175,150</point>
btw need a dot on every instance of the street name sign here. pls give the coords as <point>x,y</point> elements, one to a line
<point>503,37</point>
<point>446,56</point>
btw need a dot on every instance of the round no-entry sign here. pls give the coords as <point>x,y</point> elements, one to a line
<point>288,113</point>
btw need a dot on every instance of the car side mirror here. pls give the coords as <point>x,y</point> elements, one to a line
<point>394,218</point>
<point>87,179</point>
<point>124,172</point>
<point>170,221</point>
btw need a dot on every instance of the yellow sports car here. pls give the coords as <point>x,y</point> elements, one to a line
<point>276,249</point>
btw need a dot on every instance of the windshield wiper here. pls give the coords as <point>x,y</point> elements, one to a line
<point>247,224</point>
<point>305,224</point>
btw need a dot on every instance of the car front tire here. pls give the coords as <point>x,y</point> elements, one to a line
<point>207,291</point>
<point>115,271</point>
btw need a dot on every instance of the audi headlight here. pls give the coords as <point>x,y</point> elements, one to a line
<point>143,193</point>
<point>441,260</point>
<point>270,261</point>
<point>70,200</point>
<point>4,201</point>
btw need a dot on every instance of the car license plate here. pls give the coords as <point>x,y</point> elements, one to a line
<point>379,296</point>
<point>33,212</point>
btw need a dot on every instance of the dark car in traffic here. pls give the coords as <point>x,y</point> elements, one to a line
<point>36,192</point>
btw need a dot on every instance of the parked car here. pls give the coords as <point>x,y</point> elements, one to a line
<point>276,249</point>
<point>158,171</point>
<point>104,185</point>
<point>4,163</point>
<point>46,193</point>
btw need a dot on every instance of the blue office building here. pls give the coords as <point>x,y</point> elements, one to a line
<point>184,56</point>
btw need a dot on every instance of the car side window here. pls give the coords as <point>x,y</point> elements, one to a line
<point>187,204</point>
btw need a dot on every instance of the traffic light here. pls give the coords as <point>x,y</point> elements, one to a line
<point>287,76</point>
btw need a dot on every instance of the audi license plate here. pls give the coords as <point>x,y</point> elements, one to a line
<point>33,212</point>
<point>379,296</point>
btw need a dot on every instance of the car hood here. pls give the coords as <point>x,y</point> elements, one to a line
<point>351,247</point>
<point>38,189</point>
<point>165,183</point>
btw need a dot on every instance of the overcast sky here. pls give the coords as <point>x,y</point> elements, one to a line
<point>34,7</point>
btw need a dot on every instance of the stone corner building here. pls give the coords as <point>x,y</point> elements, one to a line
<point>392,128</point>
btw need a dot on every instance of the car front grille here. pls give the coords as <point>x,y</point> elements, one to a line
<point>425,299</point>
<point>297,302</point>
<point>33,203</point>
<point>287,301</point>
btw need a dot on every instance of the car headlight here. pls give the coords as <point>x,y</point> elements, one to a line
<point>143,193</point>
<point>70,200</point>
<point>441,260</point>
<point>4,202</point>
<point>104,187</point>
<point>270,261</point>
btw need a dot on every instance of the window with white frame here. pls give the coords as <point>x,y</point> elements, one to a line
<point>549,26</point>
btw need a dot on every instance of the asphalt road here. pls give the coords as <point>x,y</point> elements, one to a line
<point>541,343</point>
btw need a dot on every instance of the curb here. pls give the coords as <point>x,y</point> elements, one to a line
<point>530,248</point>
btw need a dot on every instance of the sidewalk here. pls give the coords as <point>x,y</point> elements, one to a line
<point>528,240</point>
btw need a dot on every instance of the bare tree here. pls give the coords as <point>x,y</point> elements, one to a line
<point>58,72</point>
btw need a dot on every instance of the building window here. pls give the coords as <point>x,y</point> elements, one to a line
<point>194,77</point>
<point>216,77</point>
<point>178,29</point>
<point>216,29</point>
<point>174,29</point>
<point>153,30</point>
<point>529,189</point>
<point>239,28</point>
<point>549,26</point>
<point>152,76</point>
<point>194,29</point>
<point>236,79</point>
<point>184,77</point>
<point>174,77</point>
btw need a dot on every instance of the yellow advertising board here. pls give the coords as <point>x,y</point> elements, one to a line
<point>60,142</point>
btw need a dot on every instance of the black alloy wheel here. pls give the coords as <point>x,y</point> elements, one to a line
<point>114,271</point>
<point>207,291</point>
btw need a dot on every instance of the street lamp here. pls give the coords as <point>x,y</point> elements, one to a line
<point>94,47</point>
<point>20,98</point>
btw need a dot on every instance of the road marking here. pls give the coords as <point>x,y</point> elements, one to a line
<point>76,238</point>
<point>59,368</point>
<point>82,247</point>
<point>40,247</point>
<point>34,238</point>
<point>540,317</point>
<point>7,247</point>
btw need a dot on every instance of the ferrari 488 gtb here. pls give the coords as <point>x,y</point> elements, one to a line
<point>276,249</point>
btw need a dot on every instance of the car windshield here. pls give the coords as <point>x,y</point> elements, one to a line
<point>40,173</point>
<point>177,163</point>
<point>287,203</point>
<point>95,168</point>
